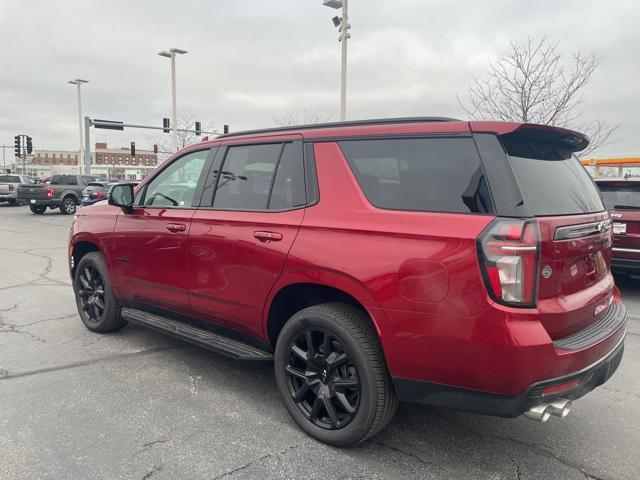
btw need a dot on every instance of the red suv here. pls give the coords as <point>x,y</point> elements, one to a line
<point>451,263</point>
<point>622,198</point>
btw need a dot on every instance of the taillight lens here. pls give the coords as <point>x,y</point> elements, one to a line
<point>50,192</point>
<point>508,250</point>
<point>99,194</point>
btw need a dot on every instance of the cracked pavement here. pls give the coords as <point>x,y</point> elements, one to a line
<point>136,404</point>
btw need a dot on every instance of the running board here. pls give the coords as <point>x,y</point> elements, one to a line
<point>198,336</point>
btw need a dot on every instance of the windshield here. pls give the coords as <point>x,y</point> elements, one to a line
<point>551,179</point>
<point>620,196</point>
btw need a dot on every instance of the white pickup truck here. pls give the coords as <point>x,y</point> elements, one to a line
<point>9,186</point>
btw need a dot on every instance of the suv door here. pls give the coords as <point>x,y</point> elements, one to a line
<point>150,242</point>
<point>243,231</point>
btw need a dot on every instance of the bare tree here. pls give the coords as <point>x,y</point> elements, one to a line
<point>165,143</point>
<point>290,119</point>
<point>533,84</point>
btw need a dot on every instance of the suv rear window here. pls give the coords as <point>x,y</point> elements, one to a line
<point>551,179</point>
<point>620,195</point>
<point>420,174</point>
<point>9,179</point>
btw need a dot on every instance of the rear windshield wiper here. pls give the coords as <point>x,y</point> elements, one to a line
<point>626,207</point>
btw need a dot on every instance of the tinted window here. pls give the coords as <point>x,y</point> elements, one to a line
<point>424,174</point>
<point>288,187</point>
<point>246,175</point>
<point>551,179</point>
<point>620,196</point>
<point>9,179</point>
<point>176,184</point>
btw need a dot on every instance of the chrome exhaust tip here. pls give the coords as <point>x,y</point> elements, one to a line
<point>560,408</point>
<point>540,412</point>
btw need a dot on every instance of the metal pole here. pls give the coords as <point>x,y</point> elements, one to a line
<point>4,162</point>
<point>79,128</point>
<point>343,69</point>
<point>173,101</point>
<point>87,146</point>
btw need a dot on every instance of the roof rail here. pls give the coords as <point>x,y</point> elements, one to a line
<point>348,123</point>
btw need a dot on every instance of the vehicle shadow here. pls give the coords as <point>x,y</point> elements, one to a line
<point>433,442</point>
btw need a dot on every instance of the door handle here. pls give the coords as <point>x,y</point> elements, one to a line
<point>176,227</point>
<point>268,236</point>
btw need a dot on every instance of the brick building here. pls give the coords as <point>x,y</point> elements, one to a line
<point>115,163</point>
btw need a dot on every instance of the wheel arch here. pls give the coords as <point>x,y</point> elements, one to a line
<point>293,296</point>
<point>80,249</point>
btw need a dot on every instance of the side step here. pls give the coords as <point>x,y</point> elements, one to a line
<point>203,338</point>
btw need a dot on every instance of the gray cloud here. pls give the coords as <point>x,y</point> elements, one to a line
<point>250,60</point>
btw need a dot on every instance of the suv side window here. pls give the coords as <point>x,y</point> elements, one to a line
<point>420,174</point>
<point>175,186</point>
<point>288,186</point>
<point>246,177</point>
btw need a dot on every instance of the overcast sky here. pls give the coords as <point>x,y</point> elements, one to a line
<point>250,60</point>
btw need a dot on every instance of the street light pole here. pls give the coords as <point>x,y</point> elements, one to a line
<point>343,24</point>
<point>174,109</point>
<point>343,68</point>
<point>77,82</point>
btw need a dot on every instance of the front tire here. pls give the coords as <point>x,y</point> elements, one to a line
<point>98,307</point>
<point>332,375</point>
<point>38,209</point>
<point>68,206</point>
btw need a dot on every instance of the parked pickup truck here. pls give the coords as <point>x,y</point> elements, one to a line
<point>9,187</point>
<point>63,192</point>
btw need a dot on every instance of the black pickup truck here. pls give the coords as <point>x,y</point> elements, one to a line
<point>63,192</point>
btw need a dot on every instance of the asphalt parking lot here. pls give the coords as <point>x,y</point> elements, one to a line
<point>136,404</point>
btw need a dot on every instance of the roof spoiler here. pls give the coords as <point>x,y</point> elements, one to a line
<point>574,141</point>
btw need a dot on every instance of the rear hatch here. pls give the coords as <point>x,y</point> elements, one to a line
<point>95,191</point>
<point>622,199</point>
<point>574,283</point>
<point>7,183</point>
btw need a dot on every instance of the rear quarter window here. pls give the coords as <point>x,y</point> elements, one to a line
<point>551,179</point>
<point>420,174</point>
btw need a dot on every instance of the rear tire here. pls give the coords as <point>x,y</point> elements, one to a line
<point>68,206</point>
<point>341,398</point>
<point>98,307</point>
<point>38,209</point>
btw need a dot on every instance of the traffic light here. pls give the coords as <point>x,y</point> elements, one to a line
<point>155,148</point>
<point>17,145</point>
<point>29,145</point>
<point>225,129</point>
<point>165,125</point>
<point>133,149</point>
<point>198,128</point>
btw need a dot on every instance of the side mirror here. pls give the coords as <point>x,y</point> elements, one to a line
<point>122,196</point>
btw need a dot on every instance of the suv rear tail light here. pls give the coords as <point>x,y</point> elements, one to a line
<point>508,250</point>
<point>50,192</point>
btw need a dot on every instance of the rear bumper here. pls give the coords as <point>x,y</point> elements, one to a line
<point>38,201</point>
<point>487,403</point>
<point>6,197</point>
<point>626,260</point>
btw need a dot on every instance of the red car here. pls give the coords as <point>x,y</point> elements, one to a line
<point>451,263</point>
<point>622,198</point>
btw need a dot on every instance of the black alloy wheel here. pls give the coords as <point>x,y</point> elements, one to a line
<point>322,379</point>
<point>91,293</point>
